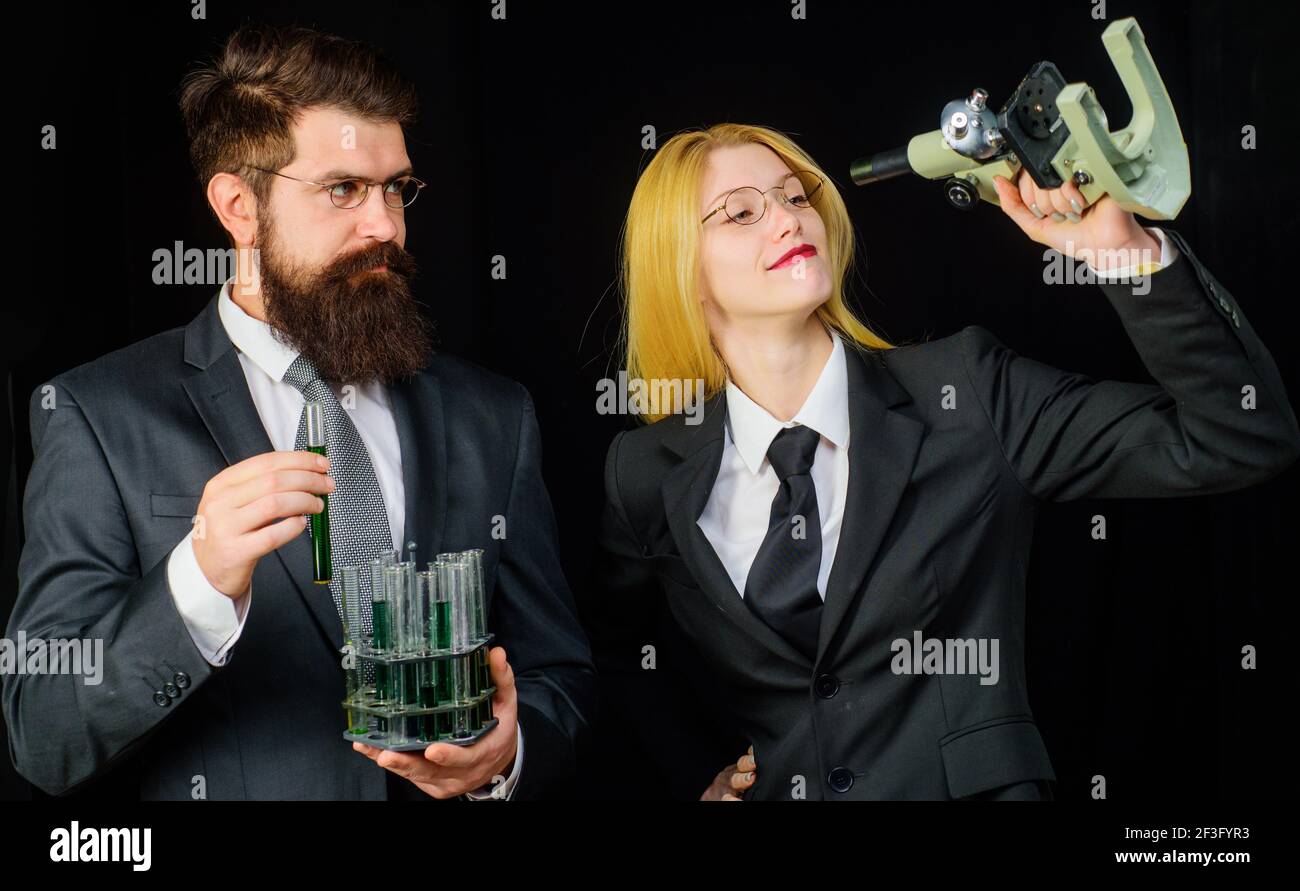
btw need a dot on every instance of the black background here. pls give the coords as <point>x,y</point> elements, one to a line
<point>531,134</point>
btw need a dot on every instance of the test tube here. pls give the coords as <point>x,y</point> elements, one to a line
<point>481,667</point>
<point>440,622</point>
<point>463,677</point>
<point>427,585</point>
<point>351,592</point>
<point>395,591</point>
<point>412,634</point>
<point>415,606</point>
<point>381,627</point>
<point>449,573</point>
<point>474,557</point>
<point>399,696</point>
<point>322,570</point>
<point>357,722</point>
<point>461,625</point>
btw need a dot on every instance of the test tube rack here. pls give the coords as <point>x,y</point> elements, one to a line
<point>428,649</point>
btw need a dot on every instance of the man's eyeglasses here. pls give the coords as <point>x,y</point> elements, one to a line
<point>346,194</point>
<point>747,204</point>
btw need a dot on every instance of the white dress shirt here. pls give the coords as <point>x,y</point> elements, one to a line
<point>736,515</point>
<point>735,518</point>
<point>213,619</point>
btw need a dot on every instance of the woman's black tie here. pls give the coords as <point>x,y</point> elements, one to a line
<point>782,583</point>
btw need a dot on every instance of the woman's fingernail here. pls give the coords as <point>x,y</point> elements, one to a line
<point>751,776</point>
<point>1033,208</point>
<point>1057,217</point>
<point>1073,217</point>
<point>1078,208</point>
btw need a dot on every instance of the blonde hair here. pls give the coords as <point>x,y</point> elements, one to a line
<point>665,333</point>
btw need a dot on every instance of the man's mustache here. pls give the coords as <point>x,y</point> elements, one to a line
<point>388,253</point>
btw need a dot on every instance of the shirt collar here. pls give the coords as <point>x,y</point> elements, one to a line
<point>253,337</point>
<point>752,428</point>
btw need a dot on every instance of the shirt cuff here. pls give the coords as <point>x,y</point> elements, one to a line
<point>507,787</point>
<point>1168,254</point>
<point>213,619</point>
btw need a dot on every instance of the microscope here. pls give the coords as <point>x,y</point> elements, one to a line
<point>1056,130</point>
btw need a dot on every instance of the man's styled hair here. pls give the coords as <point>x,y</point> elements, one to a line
<point>239,107</point>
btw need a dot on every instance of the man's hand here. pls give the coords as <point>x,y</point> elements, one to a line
<point>445,770</point>
<point>252,508</point>
<point>1101,229</point>
<point>733,780</point>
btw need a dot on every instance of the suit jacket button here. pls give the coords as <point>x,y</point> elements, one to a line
<point>840,779</point>
<point>182,680</point>
<point>171,690</point>
<point>161,699</point>
<point>826,685</point>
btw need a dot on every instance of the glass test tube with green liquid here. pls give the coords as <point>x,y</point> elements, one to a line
<point>379,634</point>
<point>440,638</point>
<point>461,596</point>
<point>320,523</point>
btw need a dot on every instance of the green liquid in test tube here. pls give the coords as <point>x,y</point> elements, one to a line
<point>426,587</point>
<point>395,595</point>
<point>460,595</point>
<point>441,618</point>
<point>322,569</point>
<point>379,639</point>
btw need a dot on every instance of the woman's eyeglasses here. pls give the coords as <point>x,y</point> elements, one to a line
<point>346,194</point>
<point>747,205</point>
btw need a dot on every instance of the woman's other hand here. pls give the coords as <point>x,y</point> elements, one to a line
<point>732,781</point>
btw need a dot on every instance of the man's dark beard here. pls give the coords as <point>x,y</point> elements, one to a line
<point>353,324</point>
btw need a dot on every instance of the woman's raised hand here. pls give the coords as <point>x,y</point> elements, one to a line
<point>1063,220</point>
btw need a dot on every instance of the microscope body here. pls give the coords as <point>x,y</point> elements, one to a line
<point>1057,131</point>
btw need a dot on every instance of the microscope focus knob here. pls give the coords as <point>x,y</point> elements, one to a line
<point>960,194</point>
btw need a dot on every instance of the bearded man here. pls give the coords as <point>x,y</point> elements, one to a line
<point>166,510</point>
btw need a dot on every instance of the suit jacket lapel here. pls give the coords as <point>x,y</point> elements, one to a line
<point>685,490</point>
<point>883,445</point>
<point>221,398</point>
<point>882,451</point>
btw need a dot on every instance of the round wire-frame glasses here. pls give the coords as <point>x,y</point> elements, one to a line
<point>753,201</point>
<point>355,190</point>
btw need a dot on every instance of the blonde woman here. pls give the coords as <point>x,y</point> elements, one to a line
<point>843,510</point>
